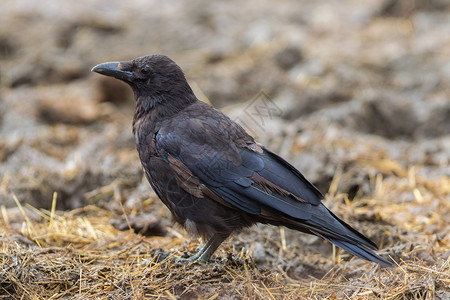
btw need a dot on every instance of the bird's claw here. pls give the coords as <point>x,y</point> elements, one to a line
<point>183,259</point>
<point>188,259</point>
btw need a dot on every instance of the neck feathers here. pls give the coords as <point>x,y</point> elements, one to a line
<point>162,106</point>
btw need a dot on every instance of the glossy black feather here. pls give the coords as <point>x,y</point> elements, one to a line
<point>210,173</point>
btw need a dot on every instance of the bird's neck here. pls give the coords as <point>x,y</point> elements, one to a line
<point>156,108</point>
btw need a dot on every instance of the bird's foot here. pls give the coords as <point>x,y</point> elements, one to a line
<point>206,251</point>
<point>191,258</point>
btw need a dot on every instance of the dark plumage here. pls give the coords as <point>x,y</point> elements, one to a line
<point>210,173</point>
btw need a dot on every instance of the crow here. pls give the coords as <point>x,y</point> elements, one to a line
<point>213,177</point>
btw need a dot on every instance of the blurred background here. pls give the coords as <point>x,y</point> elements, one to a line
<point>346,86</point>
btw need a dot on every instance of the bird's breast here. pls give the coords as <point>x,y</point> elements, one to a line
<point>144,137</point>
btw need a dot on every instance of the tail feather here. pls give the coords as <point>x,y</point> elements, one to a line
<point>360,251</point>
<point>325,224</point>
<point>358,235</point>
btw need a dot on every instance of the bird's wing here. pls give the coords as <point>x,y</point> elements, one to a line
<point>251,180</point>
<point>239,173</point>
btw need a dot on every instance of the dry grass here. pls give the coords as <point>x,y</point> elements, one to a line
<point>78,254</point>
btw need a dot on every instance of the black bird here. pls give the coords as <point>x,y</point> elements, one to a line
<point>212,175</point>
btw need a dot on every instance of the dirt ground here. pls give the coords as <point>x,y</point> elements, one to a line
<point>356,94</point>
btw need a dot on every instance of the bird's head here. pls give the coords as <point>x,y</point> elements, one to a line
<point>156,80</point>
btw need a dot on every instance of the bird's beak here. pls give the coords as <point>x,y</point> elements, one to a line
<point>113,69</point>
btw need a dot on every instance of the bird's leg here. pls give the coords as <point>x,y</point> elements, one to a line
<point>208,249</point>
<point>211,246</point>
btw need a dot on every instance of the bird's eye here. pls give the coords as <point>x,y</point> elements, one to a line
<point>145,70</point>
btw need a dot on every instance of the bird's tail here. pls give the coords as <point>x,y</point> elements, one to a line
<point>360,251</point>
<point>325,224</point>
